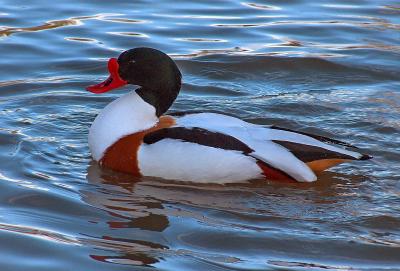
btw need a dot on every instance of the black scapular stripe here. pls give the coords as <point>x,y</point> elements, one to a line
<point>317,137</point>
<point>200,136</point>
<point>308,153</point>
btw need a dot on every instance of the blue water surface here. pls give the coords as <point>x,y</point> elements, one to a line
<point>326,67</point>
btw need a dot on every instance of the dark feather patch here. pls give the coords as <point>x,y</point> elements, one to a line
<point>308,153</point>
<point>317,137</point>
<point>199,136</point>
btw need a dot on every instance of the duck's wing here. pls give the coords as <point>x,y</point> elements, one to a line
<point>317,151</point>
<point>317,137</point>
<point>237,127</point>
<point>295,153</point>
<point>309,147</point>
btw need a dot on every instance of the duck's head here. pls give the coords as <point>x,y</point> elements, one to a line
<point>153,71</point>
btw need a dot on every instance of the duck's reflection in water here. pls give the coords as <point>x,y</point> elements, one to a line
<point>152,220</point>
<point>136,218</point>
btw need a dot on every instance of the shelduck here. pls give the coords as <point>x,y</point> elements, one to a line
<point>134,135</point>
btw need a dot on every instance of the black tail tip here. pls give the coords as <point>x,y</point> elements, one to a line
<point>365,157</point>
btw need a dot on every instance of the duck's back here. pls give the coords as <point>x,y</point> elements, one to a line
<point>209,147</point>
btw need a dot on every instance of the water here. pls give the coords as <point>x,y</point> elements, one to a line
<point>330,68</point>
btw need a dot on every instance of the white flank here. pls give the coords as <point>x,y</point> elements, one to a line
<point>191,162</point>
<point>126,115</point>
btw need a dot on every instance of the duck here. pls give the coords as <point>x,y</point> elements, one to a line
<point>134,134</point>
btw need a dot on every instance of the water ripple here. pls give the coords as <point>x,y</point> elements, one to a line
<point>40,233</point>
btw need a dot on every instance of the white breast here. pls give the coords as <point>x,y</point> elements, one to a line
<point>126,115</point>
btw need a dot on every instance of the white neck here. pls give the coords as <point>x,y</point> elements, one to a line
<point>126,115</point>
